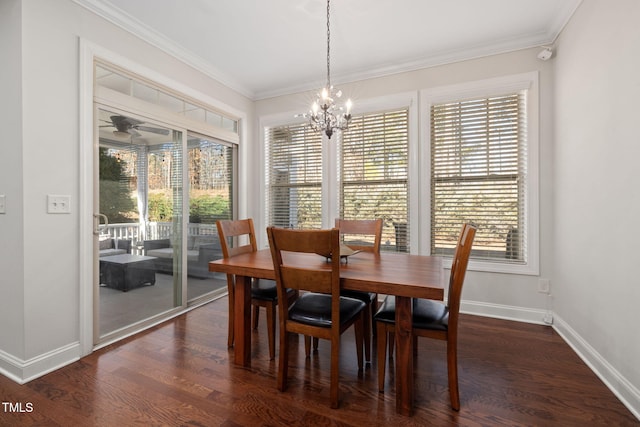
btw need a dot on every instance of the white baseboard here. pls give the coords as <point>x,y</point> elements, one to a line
<point>506,312</point>
<point>626,392</point>
<point>23,371</point>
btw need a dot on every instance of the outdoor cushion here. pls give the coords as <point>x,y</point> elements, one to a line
<point>110,252</point>
<point>168,253</point>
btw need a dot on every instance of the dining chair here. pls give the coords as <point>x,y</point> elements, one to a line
<point>319,311</point>
<point>367,229</point>
<point>361,228</point>
<point>263,292</point>
<point>432,319</point>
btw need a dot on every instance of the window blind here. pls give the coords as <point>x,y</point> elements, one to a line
<point>374,174</point>
<point>478,175</point>
<point>294,176</point>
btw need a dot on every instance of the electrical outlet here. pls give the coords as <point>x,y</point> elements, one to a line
<point>58,204</point>
<point>544,287</point>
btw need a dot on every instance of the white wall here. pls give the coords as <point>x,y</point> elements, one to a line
<point>11,177</point>
<point>597,197</point>
<point>588,177</point>
<point>42,302</point>
<point>501,295</point>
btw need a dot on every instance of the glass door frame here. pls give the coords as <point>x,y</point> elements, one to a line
<point>90,54</point>
<point>180,288</point>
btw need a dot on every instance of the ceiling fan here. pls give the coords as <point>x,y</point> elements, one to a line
<point>126,127</point>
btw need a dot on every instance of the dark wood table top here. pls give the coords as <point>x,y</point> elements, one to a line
<point>388,273</point>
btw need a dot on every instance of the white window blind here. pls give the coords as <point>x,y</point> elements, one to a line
<point>294,176</point>
<point>374,174</point>
<point>478,167</point>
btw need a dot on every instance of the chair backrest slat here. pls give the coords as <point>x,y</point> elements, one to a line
<point>364,227</point>
<point>305,277</point>
<point>233,229</point>
<point>308,280</point>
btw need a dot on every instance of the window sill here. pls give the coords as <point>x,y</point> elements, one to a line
<point>497,267</point>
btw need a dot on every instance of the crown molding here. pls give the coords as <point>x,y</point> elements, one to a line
<point>111,13</point>
<point>443,58</point>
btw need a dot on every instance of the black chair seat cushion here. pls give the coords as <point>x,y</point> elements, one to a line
<point>427,314</point>
<point>265,290</point>
<point>365,297</point>
<point>315,309</point>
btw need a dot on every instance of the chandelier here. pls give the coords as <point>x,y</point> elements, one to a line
<point>325,116</point>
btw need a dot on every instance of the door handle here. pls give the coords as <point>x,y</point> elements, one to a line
<point>96,220</point>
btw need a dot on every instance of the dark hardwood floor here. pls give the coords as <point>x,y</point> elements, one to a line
<point>179,374</point>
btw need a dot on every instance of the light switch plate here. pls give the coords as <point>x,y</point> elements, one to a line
<point>58,204</point>
<point>3,204</point>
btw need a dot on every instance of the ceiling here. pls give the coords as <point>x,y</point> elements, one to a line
<point>265,48</point>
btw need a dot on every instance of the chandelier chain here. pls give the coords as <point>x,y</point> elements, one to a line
<point>328,49</point>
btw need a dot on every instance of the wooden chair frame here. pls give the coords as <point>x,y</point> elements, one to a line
<point>302,278</point>
<point>368,227</point>
<point>234,229</point>
<point>450,335</point>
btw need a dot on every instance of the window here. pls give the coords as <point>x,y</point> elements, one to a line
<point>374,174</point>
<point>360,173</point>
<point>294,176</point>
<point>109,76</point>
<point>482,172</point>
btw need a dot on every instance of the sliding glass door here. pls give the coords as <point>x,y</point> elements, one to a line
<point>140,194</point>
<point>210,171</point>
<point>164,171</point>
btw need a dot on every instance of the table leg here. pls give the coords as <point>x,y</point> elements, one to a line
<point>404,356</point>
<point>242,321</point>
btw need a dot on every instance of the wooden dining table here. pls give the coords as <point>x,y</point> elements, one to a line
<point>403,275</point>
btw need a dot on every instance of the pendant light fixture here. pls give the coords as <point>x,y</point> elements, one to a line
<point>325,116</point>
